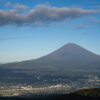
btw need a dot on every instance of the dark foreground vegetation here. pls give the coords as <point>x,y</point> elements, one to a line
<point>86,94</point>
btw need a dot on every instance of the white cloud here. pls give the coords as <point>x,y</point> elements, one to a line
<point>40,14</point>
<point>20,8</point>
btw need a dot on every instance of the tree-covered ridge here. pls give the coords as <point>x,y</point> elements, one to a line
<point>89,92</point>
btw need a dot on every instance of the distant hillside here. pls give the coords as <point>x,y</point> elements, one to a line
<point>89,92</point>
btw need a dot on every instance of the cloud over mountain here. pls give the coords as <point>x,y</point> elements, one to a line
<point>40,14</point>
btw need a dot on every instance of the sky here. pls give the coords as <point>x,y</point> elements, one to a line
<point>30,29</point>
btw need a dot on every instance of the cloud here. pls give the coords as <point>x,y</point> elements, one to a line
<point>13,38</point>
<point>81,26</point>
<point>8,4</point>
<point>96,21</point>
<point>93,20</point>
<point>40,15</point>
<point>20,8</point>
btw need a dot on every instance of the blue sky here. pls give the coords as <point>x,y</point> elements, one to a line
<point>32,28</point>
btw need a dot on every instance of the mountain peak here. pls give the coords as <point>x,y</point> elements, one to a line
<point>73,52</point>
<point>71,45</point>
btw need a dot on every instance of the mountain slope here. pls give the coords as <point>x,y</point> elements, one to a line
<point>72,53</point>
<point>68,56</point>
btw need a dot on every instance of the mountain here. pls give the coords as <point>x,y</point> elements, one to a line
<point>71,64</point>
<point>71,53</point>
<point>69,56</point>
